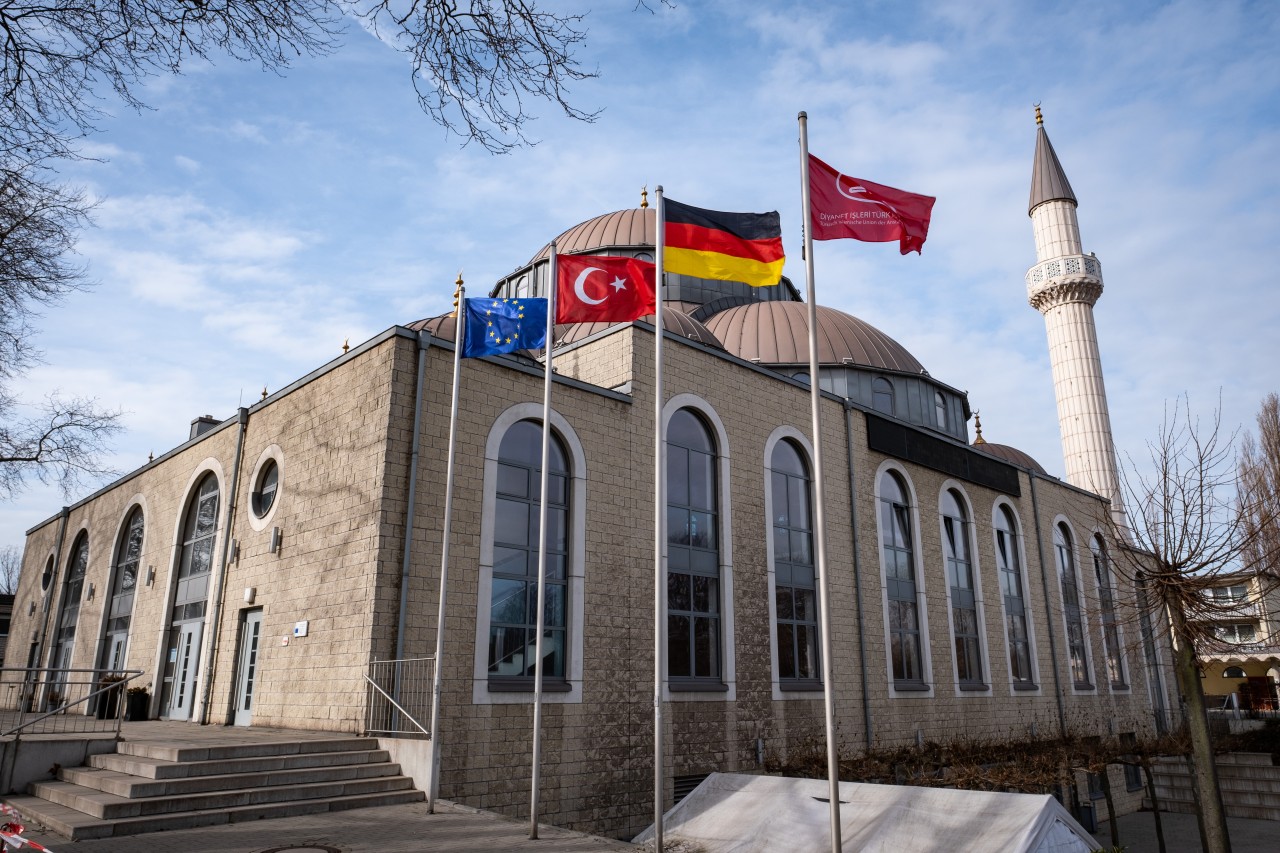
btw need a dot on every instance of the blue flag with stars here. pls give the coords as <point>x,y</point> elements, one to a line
<point>495,326</point>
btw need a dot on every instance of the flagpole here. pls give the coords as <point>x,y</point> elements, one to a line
<point>459,335</point>
<point>819,520</point>
<point>659,519</point>
<point>542,546</point>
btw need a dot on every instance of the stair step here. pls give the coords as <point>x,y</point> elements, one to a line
<point>103,805</point>
<point>133,787</point>
<point>162,768</point>
<point>78,826</point>
<point>255,749</point>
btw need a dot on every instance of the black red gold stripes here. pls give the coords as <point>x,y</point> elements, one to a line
<point>716,244</point>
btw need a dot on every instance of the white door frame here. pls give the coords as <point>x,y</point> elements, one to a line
<point>182,693</point>
<point>247,666</point>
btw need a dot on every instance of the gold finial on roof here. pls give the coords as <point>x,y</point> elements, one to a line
<point>264,388</point>
<point>1039,118</point>
<point>151,456</point>
<point>644,196</point>
<point>457,294</point>
<point>977,425</point>
<point>346,347</point>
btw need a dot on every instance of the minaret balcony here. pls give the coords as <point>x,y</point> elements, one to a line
<point>1068,278</point>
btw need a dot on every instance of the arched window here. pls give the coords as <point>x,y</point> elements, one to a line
<point>123,582</point>
<point>1233,672</point>
<point>882,395</point>
<point>1106,601</point>
<point>513,605</point>
<point>964,600</point>
<point>940,409</point>
<point>795,591</point>
<point>1009,564</point>
<point>191,597</point>
<point>69,609</point>
<point>693,551</point>
<point>900,582</point>
<point>1077,653</point>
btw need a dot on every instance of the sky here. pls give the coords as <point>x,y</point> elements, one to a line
<point>249,222</point>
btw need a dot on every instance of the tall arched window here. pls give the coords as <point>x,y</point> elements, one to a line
<point>513,605</point>
<point>1106,601</point>
<point>693,551</point>
<point>120,602</point>
<point>195,564</point>
<point>1077,653</point>
<point>882,395</point>
<point>900,582</point>
<point>69,610</point>
<point>940,409</point>
<point>1009,564</point>
<point>964,600</point>
<point>795,592</point>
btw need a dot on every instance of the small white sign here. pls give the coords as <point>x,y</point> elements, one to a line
<point>284,641</point>
<point>300,628</point>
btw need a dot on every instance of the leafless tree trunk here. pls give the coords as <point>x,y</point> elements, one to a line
<point>10,568</point>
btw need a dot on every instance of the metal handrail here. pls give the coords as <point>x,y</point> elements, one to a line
<point>396,705</point>
<point>119,684</point>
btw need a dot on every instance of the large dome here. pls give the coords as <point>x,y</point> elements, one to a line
<point>1012,455</point>
<point>631,229</point>
<point>778,333</point>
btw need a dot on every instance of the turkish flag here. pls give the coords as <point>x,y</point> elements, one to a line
<point>849,207</point>
<point>597,289</point>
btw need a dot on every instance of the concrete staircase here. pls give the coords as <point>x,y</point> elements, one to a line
<point>1250,785</point>
<point>148,787</point>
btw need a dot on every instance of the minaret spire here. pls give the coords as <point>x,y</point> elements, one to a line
<point>1064,285</point>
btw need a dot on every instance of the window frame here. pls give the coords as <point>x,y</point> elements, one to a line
<point>272,454</point>
<point>981,684</point>
<point>1109,625</point>
<point>482,692</point>
<point>924,686</point>
<point>1067,562</point>
<point>883,386</point>
<point>789,688</point>
<point>1004,510</point>
<point>137,504</point>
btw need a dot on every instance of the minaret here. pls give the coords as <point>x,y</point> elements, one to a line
<point>1063,286</point>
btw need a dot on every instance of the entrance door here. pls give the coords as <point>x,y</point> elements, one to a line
<point>116,644</point>
<point>247,667</point>
<point>186,666</point>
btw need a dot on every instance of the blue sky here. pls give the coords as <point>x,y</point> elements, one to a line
<point>250,222</point>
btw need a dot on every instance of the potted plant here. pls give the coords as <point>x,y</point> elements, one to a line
<point>109,700</point>
<point>137,703</point>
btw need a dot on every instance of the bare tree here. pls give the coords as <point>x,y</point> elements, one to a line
<point>1185,534</point>
<point>1260,476</point>
<point>10,569</point>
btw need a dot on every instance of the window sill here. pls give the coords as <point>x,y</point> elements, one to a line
<point>975,688</point>
<point>1119,686</point>
<point>697,685</point>
<point>525,685</point>
<point>1025,685</point>
<point>1083,686</point>
<point>800,685</point>
<point>911,687</point>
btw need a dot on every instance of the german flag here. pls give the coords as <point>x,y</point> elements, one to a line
<point>744,247</point>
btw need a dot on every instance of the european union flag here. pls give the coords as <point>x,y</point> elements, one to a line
<point>495,326</point>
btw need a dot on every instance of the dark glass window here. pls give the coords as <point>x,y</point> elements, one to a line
<point>123,583</point>
<point>795,590</point>
<point>1077,654</point>
<point>513,603</point>
<point>693,551</point>
<point>882,395</point>
<point>900,580</point>
<point>1106,602</point>
<point>964,601</point>
<point>940,409</point>
<point>264,492</point>
<point>1009,565</point>
<point>69,610</point>
<point>196,561</point>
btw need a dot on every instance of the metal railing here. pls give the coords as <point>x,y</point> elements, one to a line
<point>61,701</point>
<point>400,697</point>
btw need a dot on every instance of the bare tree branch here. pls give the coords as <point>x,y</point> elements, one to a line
<point>63,444</point>
<point>10,569</point>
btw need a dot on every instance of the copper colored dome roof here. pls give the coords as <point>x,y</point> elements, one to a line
<point>630,228</point>
<point>778,333</point>
<point>443,327</point>
<point>673,320</point>
<point>1012,455</point>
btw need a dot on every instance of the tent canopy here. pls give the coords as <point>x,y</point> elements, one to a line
<point>740,813</point>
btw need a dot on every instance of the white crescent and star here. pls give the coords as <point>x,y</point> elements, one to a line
<point>579,286</point>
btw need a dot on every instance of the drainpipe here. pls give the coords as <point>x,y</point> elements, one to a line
<point>857,571</point>
<point>1044,579</point>
<point>216,593</point>
<point>424,344</point>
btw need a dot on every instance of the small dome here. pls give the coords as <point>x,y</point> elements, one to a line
<point>443,327</point>
<point>778,333</point>
<point>634,228</point>
<point>1012,455</point>
<point>673,320</point>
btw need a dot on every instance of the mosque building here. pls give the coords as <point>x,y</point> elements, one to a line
<point>256,572</point>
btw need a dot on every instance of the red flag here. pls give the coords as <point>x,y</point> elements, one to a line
<point>596,289</point>
<point>848,207</point>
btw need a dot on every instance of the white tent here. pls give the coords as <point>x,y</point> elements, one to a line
<point>739,813</point>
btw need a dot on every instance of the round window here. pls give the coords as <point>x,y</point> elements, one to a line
<point>47,577</point>
<point>264,493</point>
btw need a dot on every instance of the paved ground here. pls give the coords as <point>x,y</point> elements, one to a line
<point>1138,834</point>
